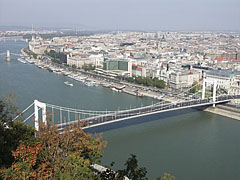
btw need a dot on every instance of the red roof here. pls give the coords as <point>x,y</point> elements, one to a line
<point>222,58</point>
<point>235,60</point>
<point>139,68</point>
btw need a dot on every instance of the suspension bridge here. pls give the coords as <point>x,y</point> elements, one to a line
<point>8,55</point>
<point>64,117</point>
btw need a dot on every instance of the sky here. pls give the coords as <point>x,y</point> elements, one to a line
<point>186,15</point>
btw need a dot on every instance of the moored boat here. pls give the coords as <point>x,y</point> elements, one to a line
<point>22,60</point>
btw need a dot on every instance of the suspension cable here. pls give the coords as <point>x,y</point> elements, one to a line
<point>21,113</point>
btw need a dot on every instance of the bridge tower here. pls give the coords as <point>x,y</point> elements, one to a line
<point>38,104</point>
<point>214,89</point>
<point>8,56</point>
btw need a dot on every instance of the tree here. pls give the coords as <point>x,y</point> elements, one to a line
<point>8,110</point>
<point>147,81</point>
<point>61,155</point>
<point>73,140</point>
<point>88,67</point>
<point>34,56</point>
<point>27,164</point>
<point>194,88</point>
<point>55,56</point>
<point>159,83</point>
<point>54,154</point>
<point>166,177</point>
<point>132,171</point>
<point>11,132</point>
<point>139,80</point>
<point>108,174</point>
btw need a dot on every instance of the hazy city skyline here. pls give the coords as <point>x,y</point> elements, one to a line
<point>125,14</point>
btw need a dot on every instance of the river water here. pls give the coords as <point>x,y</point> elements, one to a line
<point>193,146</point>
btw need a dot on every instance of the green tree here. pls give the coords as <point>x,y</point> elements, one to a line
<point>52,154</point>
<point>166,177</point>
<point>132,171</point>
<point>194,88</point>
<point>88,67</point>
<point>139,80</point>
<point>59,155</point>
<point>148,81</point>
<point>34,56</point>
<point>159,83</point>
<point>11,132</point>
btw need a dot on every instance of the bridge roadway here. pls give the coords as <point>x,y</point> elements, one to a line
<point>148,110</point>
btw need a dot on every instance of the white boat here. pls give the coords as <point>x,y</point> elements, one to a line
<point>81,79</point>
<point>89,83</point>
<point>95,83</point>
<point>68,83</point>
<point>30,61</point>
<point>114,89</point>
<point>22,60</point>
<point>58,71</point>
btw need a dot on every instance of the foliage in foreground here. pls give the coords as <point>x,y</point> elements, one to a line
<point>53,154</point>
<point>57,155</point>
<point>11,132</point>
<point>131,171</point>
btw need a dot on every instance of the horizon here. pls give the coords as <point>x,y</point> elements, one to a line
<point>39,28</point>
<point>134,15</point>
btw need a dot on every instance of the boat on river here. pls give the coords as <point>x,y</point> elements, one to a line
<point>22,60</point>
<point>68,83</point>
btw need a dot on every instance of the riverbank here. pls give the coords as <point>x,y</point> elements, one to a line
<point>132,89</point>
<point>226,110</point>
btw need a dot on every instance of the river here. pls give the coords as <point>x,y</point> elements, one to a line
<point>192,146</point>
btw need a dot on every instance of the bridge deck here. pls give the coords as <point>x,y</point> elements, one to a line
<point>148,110</point>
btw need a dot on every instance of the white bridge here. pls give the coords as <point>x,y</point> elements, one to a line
<point>64,117</point>
<point>8,55</point>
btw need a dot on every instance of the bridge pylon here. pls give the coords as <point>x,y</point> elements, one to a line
<point>8,56</point>
<point>38,104</point>
<point>214,92</point>
<point>214,82</point>
<point>203,88</point>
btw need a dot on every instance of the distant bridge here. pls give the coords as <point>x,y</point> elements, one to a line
<point>8,55</point>
<point>14,38</point>
<point>63,117</point>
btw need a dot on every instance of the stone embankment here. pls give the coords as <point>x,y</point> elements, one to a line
<point>227,110</point>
